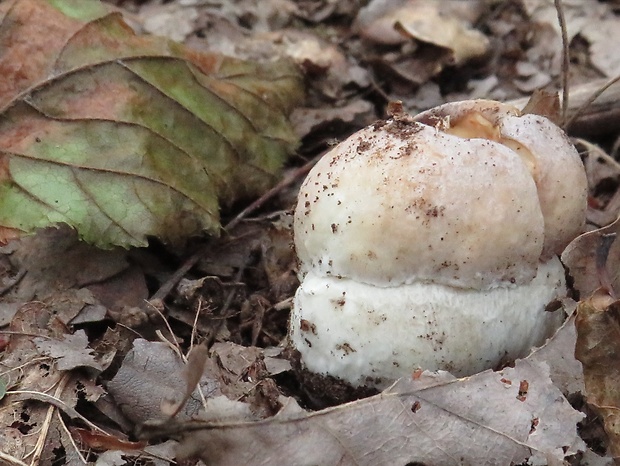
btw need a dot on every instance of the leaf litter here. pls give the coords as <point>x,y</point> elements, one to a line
<point>80,338</point>
<point>122,136</point>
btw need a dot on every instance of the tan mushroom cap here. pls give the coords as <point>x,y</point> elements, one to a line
<point>546,150</point>
<point>559,176</point>
<point>400,202</point>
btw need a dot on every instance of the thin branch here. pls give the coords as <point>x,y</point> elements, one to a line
<point>45,428</point>
<point>590,101</point>
<point>70,437</point>
<point>167,287</point>
<point>565,57</point>
<point>6,458</point>
<point>258,203</point>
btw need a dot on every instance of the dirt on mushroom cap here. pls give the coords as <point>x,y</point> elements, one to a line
<point>401,202</point>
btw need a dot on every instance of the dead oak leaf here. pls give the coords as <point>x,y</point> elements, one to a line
<point>491,418</point>
<point>598,349</point>
<point>70,352</point>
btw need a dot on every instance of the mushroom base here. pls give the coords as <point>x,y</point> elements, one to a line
<point>369,335</point>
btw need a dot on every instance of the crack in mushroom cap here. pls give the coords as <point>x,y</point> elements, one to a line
<point>401,201</point>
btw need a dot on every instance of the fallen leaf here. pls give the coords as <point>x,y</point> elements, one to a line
<point>54,260</point>
<point>32,377</point>
<point>122,136</point>
<point>586,266</point>
<point>70,352</point>
<point>598,349</point>
<point>558,353</point>
<point>594,21</point>
<point>152,373</point>
<point>407,423</point>
<point>99,441</point>
<point>603,36</point>
<point>442,24</point>
<point>173,20</point>
<point>192,374</point>
<point>309,121</point>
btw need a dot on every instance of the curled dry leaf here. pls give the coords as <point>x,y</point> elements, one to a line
<point>152,373</point>
<point>598,349</point>
<point>122,136</point>
<point>70,352</point>
<point>434,22</point>
<point>588,268</point>
<point>192,373</point>
<point>565,371</point>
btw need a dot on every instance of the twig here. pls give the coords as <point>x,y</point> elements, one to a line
<point>225,312</point>
<point>565,57</point>
<point>258,203</point>
<point>176,277</point>
<point>595,107</point>
<point>40,445</point>
<point>590,101</point>
<point>167,287</point>
<point>70,437</point>
<point>4,457</point>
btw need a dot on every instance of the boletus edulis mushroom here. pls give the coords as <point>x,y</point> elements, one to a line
<point>432,242</point>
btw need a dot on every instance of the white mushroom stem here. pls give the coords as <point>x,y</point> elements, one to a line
<point>360,332</point>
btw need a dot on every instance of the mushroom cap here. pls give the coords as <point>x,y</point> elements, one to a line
<point>558,172</point>
<point>400,202</point>
<point>432,242</point>
<point>553,161</point>
<point>369,335</point>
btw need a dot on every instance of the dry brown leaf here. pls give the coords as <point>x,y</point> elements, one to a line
<point>192,373</point>
<point>70,352</point>
<point>55,260</point>
<point>440,23</point>
<point>491,418</point>
<point>153,372</point>
<point>580,256</point>
<point>598,349</point>
<point>33,382</point>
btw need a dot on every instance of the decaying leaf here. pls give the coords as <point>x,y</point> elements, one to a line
<point>592,20</point>
<point>598,349</point>
<point>589,270</point>
<point>194,369</point>
<point>565,371</point>
<point>440,23</point>
<point>509,416</point>
<point>36,387</point>
<point>70,352</point>
<point>122,136</point>
<point>152,373</point>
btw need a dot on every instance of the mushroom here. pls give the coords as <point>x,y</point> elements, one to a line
<point>432,242</point>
